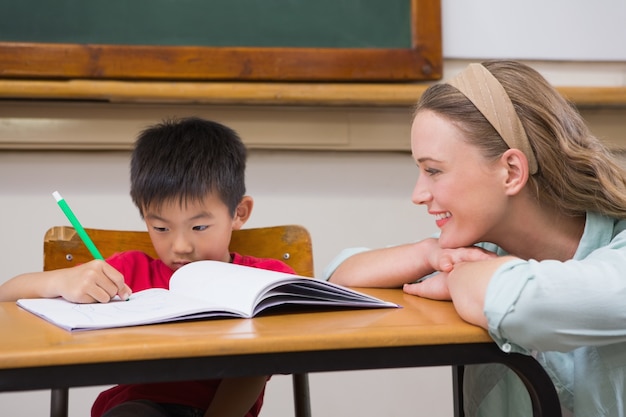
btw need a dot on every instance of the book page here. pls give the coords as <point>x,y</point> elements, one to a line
<point>154,305</point>
<point>202,289</point>
<point>221,283</point>
<point>252,290</point>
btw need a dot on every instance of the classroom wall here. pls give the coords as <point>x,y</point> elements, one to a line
<point>564,30</point>
<point>343,198</point>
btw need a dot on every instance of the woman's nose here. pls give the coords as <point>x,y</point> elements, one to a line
<point>421,193</point>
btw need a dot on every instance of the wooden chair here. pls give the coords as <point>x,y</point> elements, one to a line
<point>292,244</point>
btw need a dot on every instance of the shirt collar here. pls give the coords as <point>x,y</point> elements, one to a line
<point>599,231</point>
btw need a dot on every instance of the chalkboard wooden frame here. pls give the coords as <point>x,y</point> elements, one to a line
<point>422,61</point>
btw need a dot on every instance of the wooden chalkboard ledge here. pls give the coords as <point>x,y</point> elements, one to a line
<point>269,93</point>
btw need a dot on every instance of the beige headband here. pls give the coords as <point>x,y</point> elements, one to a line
<point>488,95</point>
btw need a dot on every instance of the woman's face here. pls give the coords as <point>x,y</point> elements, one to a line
<point>461,188</point>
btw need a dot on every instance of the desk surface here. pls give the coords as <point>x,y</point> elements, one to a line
<point>35,354</point>
<point>35,342</point>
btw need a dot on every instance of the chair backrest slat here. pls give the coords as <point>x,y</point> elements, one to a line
<point>290,243</point>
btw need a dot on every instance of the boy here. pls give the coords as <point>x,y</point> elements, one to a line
<point>188,182</point>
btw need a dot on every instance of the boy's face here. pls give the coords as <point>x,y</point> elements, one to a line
<point>193,231</point>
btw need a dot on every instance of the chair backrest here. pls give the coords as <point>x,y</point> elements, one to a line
<point>62,247</point>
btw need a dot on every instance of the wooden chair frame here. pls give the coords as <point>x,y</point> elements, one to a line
<point>291,244</point>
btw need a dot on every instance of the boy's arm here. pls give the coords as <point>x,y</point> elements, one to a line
<point>94,281</point>
<point>235,396</point>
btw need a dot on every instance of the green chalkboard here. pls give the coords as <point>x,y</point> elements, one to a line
<point>221,39</point>
<point>282,23</point>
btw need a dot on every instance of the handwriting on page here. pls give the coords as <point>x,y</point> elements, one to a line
<point>142,302</point>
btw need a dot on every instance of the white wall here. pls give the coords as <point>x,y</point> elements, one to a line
<point>343,198</point>
<point>566,30</point>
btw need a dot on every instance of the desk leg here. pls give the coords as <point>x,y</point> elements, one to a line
<point>457,389</point>
<point>59,402</point>
<point>545,401</point>
<point>301,395</point>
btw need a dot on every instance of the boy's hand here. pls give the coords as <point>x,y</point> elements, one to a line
<point>94,281</point>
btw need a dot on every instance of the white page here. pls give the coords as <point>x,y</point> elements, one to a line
<point>149,306</point>
<point>242,288</point>
<point>201,289</point>
<point>221,283</point>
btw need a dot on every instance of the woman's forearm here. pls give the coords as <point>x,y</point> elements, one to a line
<point>385,268</point>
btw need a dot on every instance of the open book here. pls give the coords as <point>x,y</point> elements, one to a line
<point>198,290</point>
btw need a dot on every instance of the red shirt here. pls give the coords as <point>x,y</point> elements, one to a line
<point>142,272</point>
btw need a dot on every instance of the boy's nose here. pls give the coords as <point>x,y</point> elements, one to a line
<point>182,245</point>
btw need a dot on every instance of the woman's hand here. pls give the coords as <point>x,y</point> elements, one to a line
<point>435,287</point>
<point>444,259</point>
<point>442,262</point>
<point>466,285</point>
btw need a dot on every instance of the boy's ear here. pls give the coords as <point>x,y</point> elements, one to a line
<point>517,170</point>
<point>242,212</point>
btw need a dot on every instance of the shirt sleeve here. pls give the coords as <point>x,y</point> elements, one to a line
<point>339,259</point>
<point>558,306</point>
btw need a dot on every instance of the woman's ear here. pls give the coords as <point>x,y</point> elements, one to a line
<point>242,212</point>
<point>517,170</point>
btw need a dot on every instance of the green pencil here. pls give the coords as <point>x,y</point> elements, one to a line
<point>77,226</point>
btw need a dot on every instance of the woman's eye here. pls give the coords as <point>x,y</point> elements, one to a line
<point>200,228</point>
<point>431,171</point>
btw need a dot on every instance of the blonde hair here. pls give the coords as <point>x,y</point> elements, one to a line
<point>577,172</point>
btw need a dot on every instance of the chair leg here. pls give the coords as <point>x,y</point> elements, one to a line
<point>59,402</point>
<point>457,389</point>
<point>301,395</point>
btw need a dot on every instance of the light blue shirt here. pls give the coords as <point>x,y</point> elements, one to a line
<point>571,316</point>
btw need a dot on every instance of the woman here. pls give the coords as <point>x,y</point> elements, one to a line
<point>531,209</point>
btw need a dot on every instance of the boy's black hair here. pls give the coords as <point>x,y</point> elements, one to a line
<point>186,160</point>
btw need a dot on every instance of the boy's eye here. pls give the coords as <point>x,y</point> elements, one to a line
<point>200,228</point>
<point>159,229</point>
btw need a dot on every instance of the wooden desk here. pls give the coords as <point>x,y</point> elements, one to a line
<point>37,355</point>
